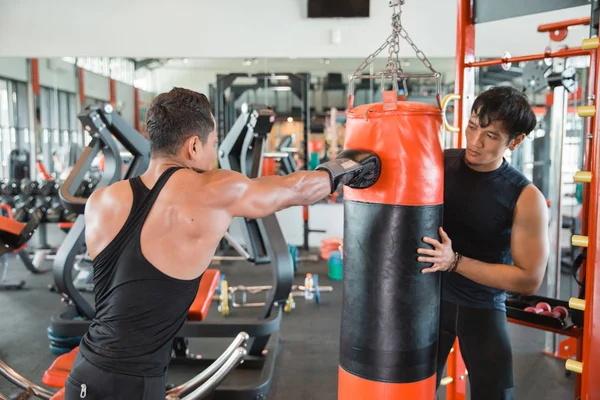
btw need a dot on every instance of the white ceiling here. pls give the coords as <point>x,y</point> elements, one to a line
<point>311,65</point>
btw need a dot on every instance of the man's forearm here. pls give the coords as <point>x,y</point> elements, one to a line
<point>309,187</point>
<point>500,276</point>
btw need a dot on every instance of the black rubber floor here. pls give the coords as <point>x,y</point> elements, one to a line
<point>307,364</point>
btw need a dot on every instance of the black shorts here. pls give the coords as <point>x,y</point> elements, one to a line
<point>89,382</point>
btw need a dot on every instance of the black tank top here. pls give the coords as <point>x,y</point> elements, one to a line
<point>478,218</point>
<point>139,309</point>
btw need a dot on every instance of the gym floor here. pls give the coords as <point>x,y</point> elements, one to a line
<point>308,359</point>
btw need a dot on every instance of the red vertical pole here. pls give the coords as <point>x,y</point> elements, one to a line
<point>35,75</point>
<point>585,208</point>
<point>465,86</point>
<point>113,92</point>
<point>456,369</point>
<point>80,74</point>
<point>590,384</point>
<point>464,78</point>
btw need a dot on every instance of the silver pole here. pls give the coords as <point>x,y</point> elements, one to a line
<point>219,376</point>
<point>192,384</point>
<point>238,247</point>
<point>559,119</point>
<point>25,384</point>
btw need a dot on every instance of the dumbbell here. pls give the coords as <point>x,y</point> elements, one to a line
<point>68,216</point>
<point>49,188</point>
<point>545,309</point>
<point>10,188</point>
<point>29,188</point>
<point>22,210</point>
<point>80,192</point>
<point>54,211</point>
<point>42,206</point>
<point>38,213</point>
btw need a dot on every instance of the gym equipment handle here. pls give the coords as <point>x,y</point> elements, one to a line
<point>192,384</point>
<point>577,304</point>
<point>574,366</point>
<point>445,101</point>
<point>25,384</point>
<point>219,376</point>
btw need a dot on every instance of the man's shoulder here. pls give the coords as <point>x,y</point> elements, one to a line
<point>453,153</point>
<point>105,198</point>
<point>516,177</point>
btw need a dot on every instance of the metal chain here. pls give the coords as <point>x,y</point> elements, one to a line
<point>394,66</point>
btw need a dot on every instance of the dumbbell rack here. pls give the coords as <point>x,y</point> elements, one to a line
<point>587,358</point>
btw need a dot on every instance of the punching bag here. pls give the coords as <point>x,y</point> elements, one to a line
<point>390,314</point>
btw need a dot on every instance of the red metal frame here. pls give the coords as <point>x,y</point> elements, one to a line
<point>588,340</point>
<point>574,52</point>
<point>559,30</point>
<point>112,86</point>
<point>465,52</point>
<point>590,384</point>
<point>81,81</point>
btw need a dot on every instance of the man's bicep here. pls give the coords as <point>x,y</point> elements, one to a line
<point>530,245</point>
<point>260,197</point>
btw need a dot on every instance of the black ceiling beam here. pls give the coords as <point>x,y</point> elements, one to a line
<point>495,10</point>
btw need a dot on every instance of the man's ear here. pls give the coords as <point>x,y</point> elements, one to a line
<point>193,146</point>
<point>516,142</point>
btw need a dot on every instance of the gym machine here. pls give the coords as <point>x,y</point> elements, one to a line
<point>242,151</point>
<point>103,125</point>
<point>288,164</point>
<point>225,112</point>
<point>253,379</point>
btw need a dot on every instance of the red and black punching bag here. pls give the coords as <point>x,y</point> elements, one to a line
<point>390,315</point>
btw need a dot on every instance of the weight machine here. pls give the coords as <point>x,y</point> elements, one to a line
<point>226,113</point>
<point>584,315</point>
<point>103,125</point>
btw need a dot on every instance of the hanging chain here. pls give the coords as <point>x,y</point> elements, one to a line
<point>394,66</point>
<point>393,63</point>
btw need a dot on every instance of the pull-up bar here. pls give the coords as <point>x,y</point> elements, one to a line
<point>559,26</point>
<point>574,52</point>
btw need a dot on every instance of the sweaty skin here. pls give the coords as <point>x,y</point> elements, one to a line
<point>194,210</point>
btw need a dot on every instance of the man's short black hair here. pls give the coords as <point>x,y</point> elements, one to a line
<point>174,117</point>
<point>508,105</point>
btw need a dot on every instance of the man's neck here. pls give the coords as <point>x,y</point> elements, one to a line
<point>489,167</point>
<point>158,165</point>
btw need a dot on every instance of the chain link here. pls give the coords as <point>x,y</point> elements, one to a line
<point>394,66</point>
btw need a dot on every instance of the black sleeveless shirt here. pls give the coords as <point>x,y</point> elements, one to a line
<point>139,309</point>
<point>478,218</point>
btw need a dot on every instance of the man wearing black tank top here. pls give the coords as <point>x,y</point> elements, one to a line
<point>494,239</point>
<point>151,238</point>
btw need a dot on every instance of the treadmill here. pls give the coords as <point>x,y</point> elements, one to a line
<point>252,126</point>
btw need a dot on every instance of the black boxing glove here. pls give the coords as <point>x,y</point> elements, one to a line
<point>358,169</point>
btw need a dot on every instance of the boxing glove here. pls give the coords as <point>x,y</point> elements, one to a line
<point>358,169</point>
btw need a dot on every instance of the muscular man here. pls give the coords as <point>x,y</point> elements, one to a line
<point>151,238</point>
<point>494,240</point>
